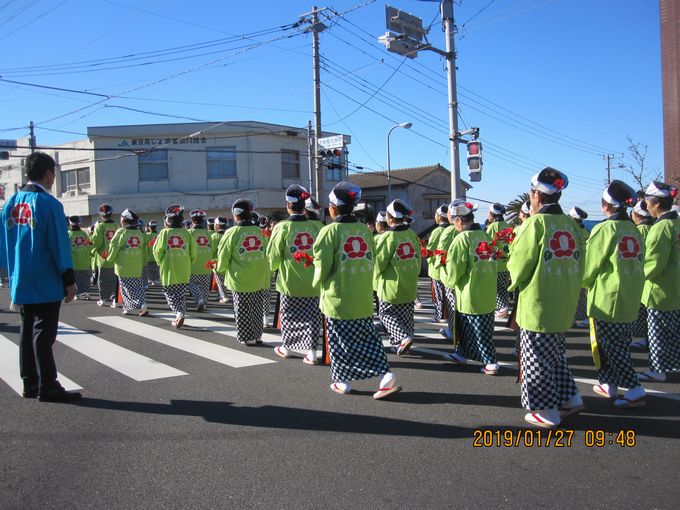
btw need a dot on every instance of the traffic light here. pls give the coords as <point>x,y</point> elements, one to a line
<point>474,160</point>
<point>332,157</point>
<point>4,155</point>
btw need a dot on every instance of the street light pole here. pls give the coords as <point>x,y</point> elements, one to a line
<point>405,125</point>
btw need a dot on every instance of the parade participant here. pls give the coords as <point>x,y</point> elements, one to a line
<point>151,275</point>
<point>471,272</point>
<point>290,252</point>
<point>433,263</point>
<point>397,266</point>
<point>266,226</point>
<point>186,224</point>
<point>661,294</point>
<point>381,225</point>
<point>581,318</point>
<point>201,274</point>
<point>546,266</point>
<point>343,266</point>
<point>81,254</point>
<point>614,278</point>
<point>524,212</point>
<point>312,210</point>
<point>220,226</point>
<point>175,251</point>
<point>101,238</point>
<point>128,251</point>
<point>644,221</point>
<point>210,224</point>
<point>445,240</point>
<point>241,258</point>
<point>495,225</point>
<point>36,252</point>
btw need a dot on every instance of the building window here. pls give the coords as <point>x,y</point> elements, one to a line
<point>376,204</point>
<point>153,165</point>
<point>290,164</point>
<point>432,204</point>
<point>221,163</point>
<point>77,180</point>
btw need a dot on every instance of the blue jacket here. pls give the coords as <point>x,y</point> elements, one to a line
<point>36,247</point>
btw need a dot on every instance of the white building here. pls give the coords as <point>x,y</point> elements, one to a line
<point>198,165</point>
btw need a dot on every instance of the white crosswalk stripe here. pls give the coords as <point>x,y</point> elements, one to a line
<point>9,368</point>
<point>125,361</point>
<point>220,354</point>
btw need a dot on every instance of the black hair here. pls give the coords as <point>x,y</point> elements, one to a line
<point>244,216</point>
<point>612,207</point>
<point>549,199</point>
<point>297,207</point>
<point>665,203</point>
<point>398,220</point>
<point>175,221</point>
<point>468,218</point>
<point>37,165</point>
<point>345,209</point>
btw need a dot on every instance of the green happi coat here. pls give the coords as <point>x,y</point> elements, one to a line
<point>546,266</point>
<point>397,265</point>
<point>297,234</point>
<point>128,251</point>
<point>344,253</point>
<point>81,249</point>
<point>101,238</point>
<point>204,250</point>
<point>241,258</point>
<point>150,241</point>
<point>644,228</point>
<point>471,272</point>
<point>662,264</point>
<point>174,251</point>
<point>433,264</point>
<point>444,242</point>
<point>613,271</point>
<point>492,229</point>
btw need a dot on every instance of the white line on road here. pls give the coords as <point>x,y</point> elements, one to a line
<point>9,368</point>
<point>208,350</point>
<point>125,361</point>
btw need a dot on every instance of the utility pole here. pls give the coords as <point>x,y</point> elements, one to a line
<point>310,156</point>
<point>446,8</point>
<point>609,158</point>
<point>316,27</point>
<point>31,141</point>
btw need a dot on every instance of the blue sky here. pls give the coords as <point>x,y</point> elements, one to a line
<point>548,82</point>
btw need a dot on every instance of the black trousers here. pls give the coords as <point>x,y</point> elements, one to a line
<point>38,333</point>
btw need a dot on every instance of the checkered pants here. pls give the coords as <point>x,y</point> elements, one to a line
<point>356,350</point>
<point>582,306</point>
<point>300,322</point>
<point>134,295</point>
<point>221,289</point>
<point>107,283</point>
<point>439,300</point>
<point>502,284</point>
<point>664,340</point>
<point>151,273</point>
<point>547,382</point>
<point>476,337</point>
<point>450,303</point>
<point>199,286</point>
<point>248,311</point>
<point>640,325</point>
<point>613,342</point>
<point>398,320</point>
<point>176,296</point>
<point>82,280</point>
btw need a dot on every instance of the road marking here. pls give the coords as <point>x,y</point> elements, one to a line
<point>125,361</point>
<point>221,328</point>
<point>208,350</point>
<point>9,368</point>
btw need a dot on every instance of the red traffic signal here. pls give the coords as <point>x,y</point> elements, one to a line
<point>330,153</point>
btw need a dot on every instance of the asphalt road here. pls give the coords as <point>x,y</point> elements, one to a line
<point>262,432</point>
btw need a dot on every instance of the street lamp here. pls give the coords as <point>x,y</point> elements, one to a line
<point>405,125</point>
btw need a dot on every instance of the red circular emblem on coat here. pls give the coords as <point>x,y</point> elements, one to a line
<point>79,241</point>
<point>175,242</point>
<point>406,251</point>
<point>252,243</point>
<point>355,247</point>
<point>562,244</point>
<point>202,241</point>
<point>629,248</point>
<point>110,234</point>
<point>483,250</point>
<point>133,242</point>
<point>303,241</point>
<point>21,214</point>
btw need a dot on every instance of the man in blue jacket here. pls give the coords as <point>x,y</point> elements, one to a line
<point>36,248</point>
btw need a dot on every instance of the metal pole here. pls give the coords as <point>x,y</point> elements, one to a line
<point>310,157</point>
<point>31,141</point>
<point>447,17</point>
<point>609,169</point>
<point>389,168</point>
<point>317,105</point>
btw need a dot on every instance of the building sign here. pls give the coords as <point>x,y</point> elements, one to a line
<point>151,142</point>
<point>334,142</point>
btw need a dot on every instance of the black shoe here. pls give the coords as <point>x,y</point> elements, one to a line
<point>30,392</point>
<point>58,394</point>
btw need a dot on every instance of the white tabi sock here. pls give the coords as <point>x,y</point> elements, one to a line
<point>388,380</point>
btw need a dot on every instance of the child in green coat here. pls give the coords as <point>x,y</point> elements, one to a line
<point>81,253</point>
<point>106,277</point>
<point>644,221</point>
<point>201,275</point>
<point>495,225</point>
